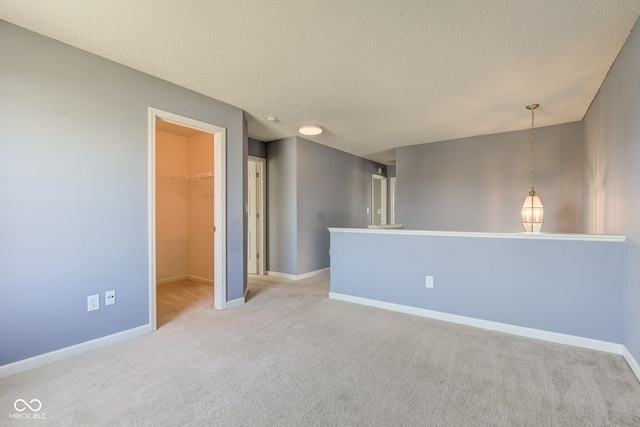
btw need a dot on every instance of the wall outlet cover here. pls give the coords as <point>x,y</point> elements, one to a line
<point>109,297</point>
<point>93,302</point>
<point>429,281</point>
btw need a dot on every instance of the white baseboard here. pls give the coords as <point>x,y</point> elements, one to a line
<point>171,280</point>
<point>238,301</point>
<point>282,275</point>
<point>554,337</point>
<point>633,363</point>
<point>187,277</point>
<point>200,280</point>
<point>74,350</point>
<point>235,303</point>
<point>297,277</point>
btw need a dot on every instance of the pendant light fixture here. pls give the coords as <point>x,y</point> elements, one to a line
<point>532,209</point>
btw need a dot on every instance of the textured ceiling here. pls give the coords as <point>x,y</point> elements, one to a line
<point>376,75</point>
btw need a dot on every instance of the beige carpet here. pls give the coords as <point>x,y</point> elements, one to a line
<point>292,357</point>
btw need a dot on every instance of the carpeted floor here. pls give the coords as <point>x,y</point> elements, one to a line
<point>292,357</point>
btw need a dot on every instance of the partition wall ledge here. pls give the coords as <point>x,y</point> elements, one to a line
<point>488,235</point>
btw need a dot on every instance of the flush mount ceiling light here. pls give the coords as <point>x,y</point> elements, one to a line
<point>310,130</point>
<point>271,119</point>
<point>532,209</point>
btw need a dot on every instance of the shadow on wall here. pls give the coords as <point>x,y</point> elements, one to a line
<point>568,217</point>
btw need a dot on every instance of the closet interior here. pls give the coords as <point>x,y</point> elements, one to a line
<point>184,204</point>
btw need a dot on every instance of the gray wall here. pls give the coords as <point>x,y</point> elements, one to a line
<point>334,190</point>
<point>576,287</point>
<point>312,187</point>
<point>612,172</point>
<point>282,208</point>
<point>257,148</point>
<point>74,191</point>
<point>480,183</point>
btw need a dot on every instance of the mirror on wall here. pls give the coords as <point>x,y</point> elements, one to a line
<point>378,200</point>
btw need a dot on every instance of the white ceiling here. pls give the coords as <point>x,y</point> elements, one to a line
<point>375,74</point>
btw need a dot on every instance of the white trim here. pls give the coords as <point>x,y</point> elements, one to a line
<point>151,195</point>
<point>554,337</point>
<point>297,277</point>
<point>235,303</point>
<point>282,275</point>
<point>533,236</point>
<point>171,280</point>
<point>185,277</point>
<point>238,301</point>
<point>220,220</point>
<point>633,363</point>
<point>74,350</point>
<point>263,212</point>
<point>200,280</point>
<point>383,198</point>
<point>220,205</point>
<point>392,200</point>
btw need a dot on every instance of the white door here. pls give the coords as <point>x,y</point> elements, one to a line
<point>252,227</point>
<point>378,200</point>
<point>392,200</point>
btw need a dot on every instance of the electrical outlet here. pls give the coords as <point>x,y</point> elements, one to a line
<point>109,297</point>
<point>93,302</point>
<point>429,282</point>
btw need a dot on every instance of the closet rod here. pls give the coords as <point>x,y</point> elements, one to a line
<point>200,179</point>
<point>203,184</point>
<point>179,178</point>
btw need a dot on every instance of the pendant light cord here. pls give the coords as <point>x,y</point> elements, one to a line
<point>532,154</point>
<point>532,107</point>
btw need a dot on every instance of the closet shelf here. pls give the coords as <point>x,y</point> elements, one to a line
<point>204,181</point>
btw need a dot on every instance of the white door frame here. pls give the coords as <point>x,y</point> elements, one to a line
<point>392,200</point>
<point>383,198</point>
<point>220,206</point>
<point>262,192</point>
<point>253,227</point>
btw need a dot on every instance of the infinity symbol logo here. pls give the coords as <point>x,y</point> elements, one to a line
<point>21,403</point>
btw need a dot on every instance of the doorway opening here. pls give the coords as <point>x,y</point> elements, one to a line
<point>256,191</point>
<point>378,200</point>
<point>186,199</point>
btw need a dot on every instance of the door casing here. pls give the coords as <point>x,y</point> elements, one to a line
<point>260,209</point>
<point>378,192</point>
<point>220,205</point>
